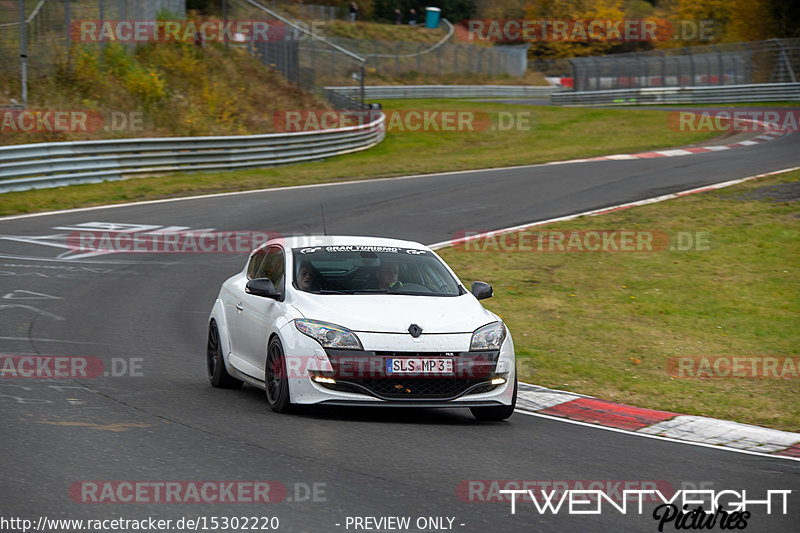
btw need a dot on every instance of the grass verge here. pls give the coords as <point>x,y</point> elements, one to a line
<point>611,325</point>
<point>553,134</point>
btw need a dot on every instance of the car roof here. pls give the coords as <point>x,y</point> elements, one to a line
<point>303,241</point>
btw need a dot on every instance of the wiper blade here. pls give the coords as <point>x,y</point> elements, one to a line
<point>333,291</point>
<point>415,293</point>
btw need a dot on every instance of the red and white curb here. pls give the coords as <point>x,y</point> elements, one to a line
<point>767,136</point>
<point>541,401</point>
<point>675,426</point>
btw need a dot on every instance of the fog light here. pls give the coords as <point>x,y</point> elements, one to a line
<point>498,381</point>
<point>323,379</point>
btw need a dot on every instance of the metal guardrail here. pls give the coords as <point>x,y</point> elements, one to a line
<point>377,92</point>
<point>763,92</point>
<point>43,165</point>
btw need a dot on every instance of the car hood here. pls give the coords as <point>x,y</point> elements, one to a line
<point>394,313</point>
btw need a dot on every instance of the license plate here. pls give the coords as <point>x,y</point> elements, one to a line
<point>419,366</point>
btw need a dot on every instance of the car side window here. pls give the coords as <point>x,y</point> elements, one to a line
<point>255,263</point>
<point>273,267</point>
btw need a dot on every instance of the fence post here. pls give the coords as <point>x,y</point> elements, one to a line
<point>574,71</point>
<point>68,45</point>
<point>361,87</point>
<point>102,17</point>
<point>785,58</point>
<point>419,58</point>
<point>23,54</point>
<point>314,57</point>
<point>225,21</point>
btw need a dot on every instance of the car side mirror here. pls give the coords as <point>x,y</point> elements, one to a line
<point>481,290</point>
<point>262,287</point>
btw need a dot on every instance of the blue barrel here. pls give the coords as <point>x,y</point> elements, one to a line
<point>432,17</point>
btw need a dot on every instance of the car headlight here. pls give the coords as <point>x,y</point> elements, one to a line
<point>328,335</point>
<point>488,337</point>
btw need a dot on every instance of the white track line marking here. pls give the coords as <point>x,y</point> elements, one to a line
<point>659,437</point>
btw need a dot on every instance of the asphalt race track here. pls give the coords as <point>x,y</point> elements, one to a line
<point>154,417</point>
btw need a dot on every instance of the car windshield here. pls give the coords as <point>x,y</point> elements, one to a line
<point>359,269</point>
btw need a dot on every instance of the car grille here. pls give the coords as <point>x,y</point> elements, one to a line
<point>377,383</point>
<point>413,388</point>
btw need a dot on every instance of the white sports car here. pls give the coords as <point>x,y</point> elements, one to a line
<point>360,321</point>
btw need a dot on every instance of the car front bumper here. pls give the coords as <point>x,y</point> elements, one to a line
<point>359,377</point>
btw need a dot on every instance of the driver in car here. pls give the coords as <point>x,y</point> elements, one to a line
<point>307,278</point>
<point>387,276</point>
